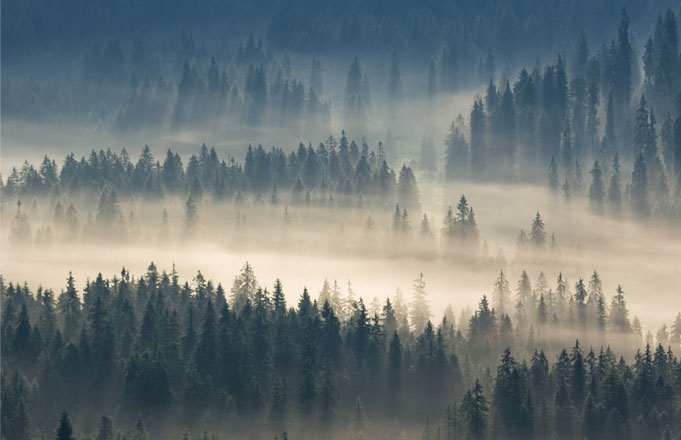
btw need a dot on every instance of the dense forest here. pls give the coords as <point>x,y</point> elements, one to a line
<point>334,166</point>
<point>155,357</point>
<point>425,187</point>
<point>199,66</point>
<point>551,120</point>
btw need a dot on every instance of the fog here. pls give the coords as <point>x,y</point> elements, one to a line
<point>292,219</point>
<point>408,121</point>
<point>303,245</point>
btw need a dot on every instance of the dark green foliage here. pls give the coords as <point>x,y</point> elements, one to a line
<point>188,361</point>
<point>64,429</point>
<point>346,170</point>
<point>639,187</point>
<point>597,189</point>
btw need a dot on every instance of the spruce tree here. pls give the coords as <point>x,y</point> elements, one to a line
<point>553,176</point>
<point>639,188</point>
<point>537,233</point>
<point>502,295</point>
<point>597,190</point>
<point>474,409</point>
<point>420,309</point>
<point>64,429</point>
<point>615,188</point>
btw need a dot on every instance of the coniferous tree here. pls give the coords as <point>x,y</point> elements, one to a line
<point>553,176</point>
<point>64,428</point>
<point>244,288</point>
<point>474,408</point>
<point>457,154</point>
<point>394,375</point>
<point>190,215</point>
<point>597,189</point>
<point>615,188</point>
<point>420,309</point>
<point>502,295</point>
<point>610,140</point>
<point>478,144</point>
<point>407,189</point>
<point>105,430</point>
<point>639,188</point>
<point>537,233</point>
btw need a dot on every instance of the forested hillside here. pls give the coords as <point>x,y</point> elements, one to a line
<point>151,356</point>
<point>465,218</point>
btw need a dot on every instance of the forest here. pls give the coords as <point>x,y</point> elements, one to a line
<point>160,356</point>
<point>464,217</point>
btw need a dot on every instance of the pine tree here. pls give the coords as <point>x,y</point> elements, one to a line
<point>610,139</point>
<point>394,375</point>
<point>639,188</point>
<point>597,190</point>
<point>425,232</point>
<point>70,308</point>
<point>624,63</point>
<point>615,188</point>
<point>407,189</point>
<point>478,145</point>
<point>420,310</point>
<point>537,233</point>
<point>524,289</point>
<point>244,288</point>
<point>190,215</point>
<point>641,127</point>
<point>64,429</point>
<point>502,295</point>
<point>553,176</point>
<point>457,156</point>
<point>474,408</point>
<point>580,301</point>
<point>105,430</point>
<point>355,101</point>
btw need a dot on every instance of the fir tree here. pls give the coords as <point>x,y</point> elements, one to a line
<point>597,189</point>
<point>639,188</point>
<point>64,429</point>
<point>420,309</point>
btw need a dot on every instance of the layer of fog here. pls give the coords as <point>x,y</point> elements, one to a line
<point>317,243</point>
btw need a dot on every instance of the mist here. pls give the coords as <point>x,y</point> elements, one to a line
<point>343,220</point>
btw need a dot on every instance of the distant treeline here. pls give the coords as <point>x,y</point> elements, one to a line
<point>152,353</point>
<point>197,64</point>
<point>200,92</point>
<point>334,167</point>
<point>545,120</point>
<point>418,28</point>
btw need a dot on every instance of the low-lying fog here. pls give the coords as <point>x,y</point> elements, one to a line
<point>318,242</point>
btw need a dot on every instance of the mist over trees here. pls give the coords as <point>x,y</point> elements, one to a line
<point>554,117</point>
<point>433,184</point>
<point>336,166</point>
<point>152,355</point>
<point>202,65</point>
